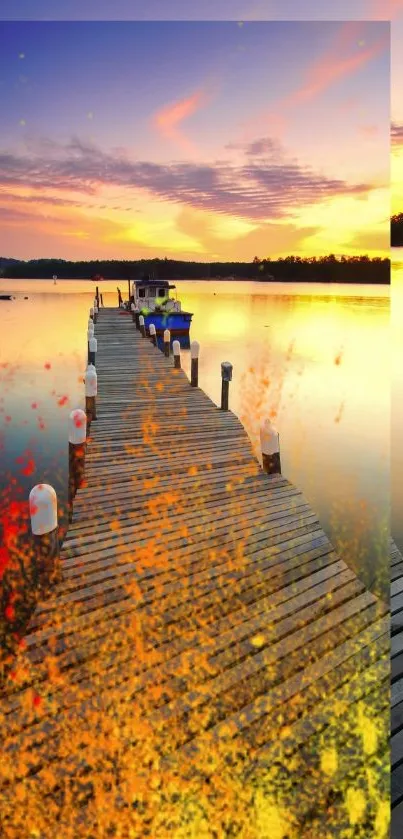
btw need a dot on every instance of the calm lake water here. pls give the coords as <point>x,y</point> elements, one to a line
<point>314,358</point>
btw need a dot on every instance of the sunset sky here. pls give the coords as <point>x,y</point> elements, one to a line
<point>198,139</point>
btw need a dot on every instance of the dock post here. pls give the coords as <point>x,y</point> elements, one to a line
<point>226,378</point>
<point>270,445</point>
<point>194,355</point>
<point>90,334</point>
<point>45,534</point>
<point>90,394</point>
<point>177,354</point>
<point>153,334</point>
<point>95,313</point>
<point>102,300</point>
<point>141,325</point>
<point>92,313</point>
<point>167,342</point>
<point>77,438</point>
<point>133,311</point>
<point>92,345</point>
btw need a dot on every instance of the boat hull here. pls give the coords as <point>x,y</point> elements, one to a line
<point>178,323</point>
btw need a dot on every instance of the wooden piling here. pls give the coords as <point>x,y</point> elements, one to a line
<point>77,439</point>
<point>153,334</point>
<point>95,313</point>
<point>92,350</point>
<point>226,378</point>
<point>194,356</point>
<point>45,535</point>
<point>167,342</point>
<point>90,394</point>
<point>177,354</point>
<point>92,313</point>
<point>90,334</point>
<point>270,446</point>
<point>142,326</point>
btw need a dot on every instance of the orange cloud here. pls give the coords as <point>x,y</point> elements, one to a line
<point>332,66</point>
<point>169,119</point>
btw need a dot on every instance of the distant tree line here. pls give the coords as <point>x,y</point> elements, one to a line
<point>396,231</point>
<point>327,269</point>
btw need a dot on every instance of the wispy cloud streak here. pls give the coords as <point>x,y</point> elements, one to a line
<point>335,64</point>
<point>169,119</point>
<point>396,134</point>
<point>263,186</point>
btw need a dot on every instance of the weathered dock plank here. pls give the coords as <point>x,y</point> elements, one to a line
<point>206,644</point>
<point>396,726</point>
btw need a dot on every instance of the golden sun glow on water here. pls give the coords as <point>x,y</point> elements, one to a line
<point>316,360</point>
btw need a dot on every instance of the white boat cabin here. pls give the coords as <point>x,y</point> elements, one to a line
<point>154,294</point>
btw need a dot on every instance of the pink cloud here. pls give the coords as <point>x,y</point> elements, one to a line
<point>168,120</point>
<point>368,130</point>
<point>335,64</point>
<point>386,9</point>
<point>347,54</point>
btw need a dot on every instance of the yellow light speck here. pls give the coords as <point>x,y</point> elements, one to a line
<point>258,640</point>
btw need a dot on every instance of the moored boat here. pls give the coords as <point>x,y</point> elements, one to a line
<point>152,299</point>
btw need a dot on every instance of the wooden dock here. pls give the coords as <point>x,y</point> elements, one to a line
<point>208,666</point>
<point>396,726</point>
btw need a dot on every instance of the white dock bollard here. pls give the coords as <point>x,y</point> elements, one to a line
<point>92,346</point>
<point>133,311</point>
<point>95,313</point>
<point>167,342</point>
<point>92,313</point>
<point>153,334</point>
<point>77,438</point>
<point>45,534</point>
<point>270,445</point>
<point>90,380</point>
<point>141,325</point>
<point>194,355</point>
<point>177,354</point>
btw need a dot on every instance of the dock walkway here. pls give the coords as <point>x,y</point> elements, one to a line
<point>397,691</point>
<point>207,659</point>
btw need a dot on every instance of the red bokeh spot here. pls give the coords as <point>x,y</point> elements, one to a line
<point>4,560</point>
<point>9,612</point>
<point>47,366</point>
<point>34,405</point>
<point>29,468</point>
<point>36,700</point>
<point>78,421</point>
<point>62,400</point>
<point>8,419</point>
